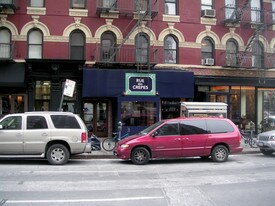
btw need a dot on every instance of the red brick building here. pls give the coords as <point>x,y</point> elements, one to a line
<point>135,60</point>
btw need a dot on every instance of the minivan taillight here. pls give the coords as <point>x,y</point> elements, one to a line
<point>83,137</point>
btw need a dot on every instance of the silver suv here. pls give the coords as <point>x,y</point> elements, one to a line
<point>266,142</point>
<point>51,135</point>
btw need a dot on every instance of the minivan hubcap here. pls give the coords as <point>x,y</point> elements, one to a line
<point>57,154</point>
<point>220,154</point>
<point>139,156</point>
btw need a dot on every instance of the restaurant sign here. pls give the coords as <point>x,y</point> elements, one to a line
<point>140,84</point>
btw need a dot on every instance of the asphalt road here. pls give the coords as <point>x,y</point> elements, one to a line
<point>243,180</point>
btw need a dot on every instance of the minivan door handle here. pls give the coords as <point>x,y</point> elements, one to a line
<point>187,139</point>
<point>178,139</point>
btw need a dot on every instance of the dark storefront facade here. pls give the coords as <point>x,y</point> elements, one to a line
<point>119,95</point>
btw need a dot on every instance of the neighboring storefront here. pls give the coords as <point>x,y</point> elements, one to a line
<point>138,99</point>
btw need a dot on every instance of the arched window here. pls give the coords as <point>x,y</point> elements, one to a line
<point>231,52</point>
<point>142,48</point>
<point>77,45</point>
<point>108,44</point>
<point>207,51</point>
<point>5,43</point>
<point>35,44</point>
<point>258,55</point>
<point>170,49</point>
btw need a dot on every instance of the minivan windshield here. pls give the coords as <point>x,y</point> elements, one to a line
<point>151,128</point>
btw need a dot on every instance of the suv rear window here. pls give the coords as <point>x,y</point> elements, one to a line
<point>219,126</point>
<point>36,122</point>
<point>65,122</point>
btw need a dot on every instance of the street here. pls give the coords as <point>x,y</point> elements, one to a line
<point>245,179</point>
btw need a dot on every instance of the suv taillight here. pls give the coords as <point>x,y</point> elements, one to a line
<point>83,137</point>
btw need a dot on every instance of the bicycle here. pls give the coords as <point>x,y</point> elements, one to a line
<point>109,143</point>
<point>249,138</point>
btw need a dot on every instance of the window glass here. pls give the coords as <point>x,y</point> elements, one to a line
<point>65,122</point>
<point>77,45</point>
<point>206,4</point>
<point>189,127</point>
<point>170,7</point>
<point>170,128</point>
<point>230,8</point>
<point>141,5</point>
<point>5,43</point>
<point>170,50</point>
<point>78,4</point>
<point>142,47</point>
<point>257,55</point>
<point>231,52</point>
<point>255,11</point>
<point>108,43</point>
<point>219,126</point>
<point>273,11</point>
<point>36,3</point>
<point>35,40</point>
<point>134,113</point>
<point>12,123</point>
<point>109,4</point>
<point>207,48</point>
<point>36,122</point>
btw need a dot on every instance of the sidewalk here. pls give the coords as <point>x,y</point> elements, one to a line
<point>102,154</point>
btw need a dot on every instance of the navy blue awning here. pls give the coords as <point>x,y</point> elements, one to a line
<point>111,83</point>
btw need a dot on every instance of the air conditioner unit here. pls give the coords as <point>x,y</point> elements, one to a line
<point>208,61</point>
<point>209,13</point>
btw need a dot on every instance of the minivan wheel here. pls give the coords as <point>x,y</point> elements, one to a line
<point>219,153</point>
<point>57,154</point>
<point>140,156</point>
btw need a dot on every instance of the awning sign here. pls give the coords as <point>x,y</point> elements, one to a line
<point>69,88</point>
<point>140,84</point>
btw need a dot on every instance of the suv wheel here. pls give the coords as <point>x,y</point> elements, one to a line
<point>266,152</point>
<point>140,156</point>
<point>57,154</point>
<point>219,153</point>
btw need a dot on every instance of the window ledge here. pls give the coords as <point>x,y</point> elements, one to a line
<point>210,21</point>
<point>171,18</point>
<point>36,10</point>
<point>110,14</point>
<point>78,12</point>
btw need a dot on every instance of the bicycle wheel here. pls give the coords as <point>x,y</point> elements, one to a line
<point>108,144</point>
<point>252,143</point>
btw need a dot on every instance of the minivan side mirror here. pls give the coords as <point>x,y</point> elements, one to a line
<point>1,126</point>
<point>155,133</point>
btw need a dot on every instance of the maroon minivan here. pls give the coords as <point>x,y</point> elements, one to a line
<point>182,137</point>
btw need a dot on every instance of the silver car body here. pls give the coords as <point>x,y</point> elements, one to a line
<point>266,141</point>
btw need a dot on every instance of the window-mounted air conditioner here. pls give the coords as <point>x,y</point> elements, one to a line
<point>208,61</point>
<point>211,13</point>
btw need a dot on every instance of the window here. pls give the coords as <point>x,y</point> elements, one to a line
<point>273,11</point>
<point>142,48</point>
<point>219,126</point>
<point>189,127</point>
<point>42,95</point>
<point>12,123</point>
<point>77,45</point>
<point>207,48</point>
<point>141,5</point>
<point>230,9</point>
<point>257,54</point>
<point>170,50</point>
<point>36,3</point>
<point>112,4</point>
<point>35,40</point>
<point>206,4</point>
<point>135,113</point>
<point>5,44</point>
<point>65,122</point>
<point>171,128</point>
<point>108,43</point>
<point>170,7</point>
<point>255,11</point>
<point>36,122</point>
<point>78,4</point>
<point>231,53</point>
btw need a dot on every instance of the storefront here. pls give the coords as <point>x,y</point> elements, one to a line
<point>137,99</point>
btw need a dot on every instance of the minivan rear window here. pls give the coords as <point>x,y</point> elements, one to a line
<point>65,122</point>
<point>219,126</point>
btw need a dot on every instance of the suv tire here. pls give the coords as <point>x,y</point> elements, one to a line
<point>140,156</point>
<point>57,154</point>
<point>219,153</point>
<point>267,152</point>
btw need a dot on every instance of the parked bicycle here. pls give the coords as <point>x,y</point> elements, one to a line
<point>249,138</point>
<point>109,143</point>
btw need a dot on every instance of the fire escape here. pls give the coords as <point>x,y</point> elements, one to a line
<point>8,5</point>
<point>138,54</point>
<point>260,21</point>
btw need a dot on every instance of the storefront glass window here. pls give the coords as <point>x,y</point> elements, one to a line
<point>42,95</point>
<point>138,113</point>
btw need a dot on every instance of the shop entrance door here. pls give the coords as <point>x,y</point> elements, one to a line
<point>96,117</point>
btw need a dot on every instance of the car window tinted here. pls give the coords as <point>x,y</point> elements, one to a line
<point>189,127</point>
<point>36,122</point>
<point>65,122</point>
<point>170,128</point>
<point>219,126</point>
<point>12,123</point>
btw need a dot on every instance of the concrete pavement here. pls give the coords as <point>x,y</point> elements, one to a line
<point>102,154</point>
